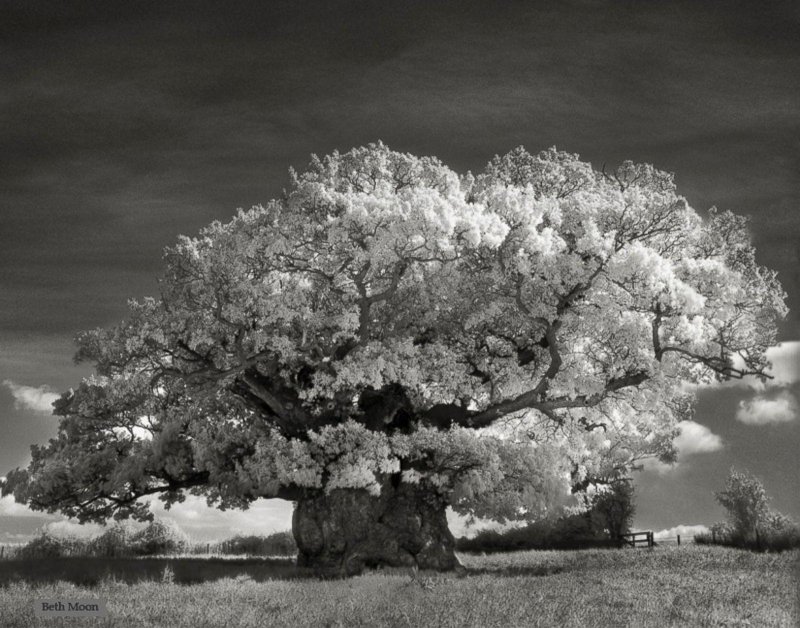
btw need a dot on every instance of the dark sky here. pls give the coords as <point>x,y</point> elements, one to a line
<point>125,124</point>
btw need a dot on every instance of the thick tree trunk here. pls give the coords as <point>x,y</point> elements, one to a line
<point>341,533</point>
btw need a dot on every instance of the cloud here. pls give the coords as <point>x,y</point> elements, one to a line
<point>10,508</point>
<point>140,433</point>
<point>687,532</point>
<point>201,522</point>
<point>30,398</point>
<point>763,410</point>
<point>785,370</point>
<point>693,439</point>
<point>785,359</point>
<point>14,538</point>
<point>464,526</point>
<point>67,528</point>
<point>696,439</point>
<point>207,523</point>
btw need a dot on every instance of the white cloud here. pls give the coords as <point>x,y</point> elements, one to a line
<point>762,410</point>
<point>693,439</point>
<point>10,508</point>
<point>773,402</point>
<point>696,439</point>
<point>651,464</point>
<point>201,522</point>
<point>785,360</point>
<point>31,398</point>
<point>207,523</point>
<point>687,532</point>
<point>65,528</point>
<point>785,370</point>
<point>14,538</point>
<point>140,433</point>
<point>460,525</point>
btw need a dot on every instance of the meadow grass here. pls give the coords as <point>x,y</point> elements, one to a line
<point>669,586</point>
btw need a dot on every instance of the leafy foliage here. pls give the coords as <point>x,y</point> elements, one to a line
<point>158,537</point>
<point>507,340</point>
<point>614,508</point>
<point>276,544</point>
<point>608,516</point>
<point>751,522</point>
<point>115,541</point>
<point>745,500</point>
<point>47,545</point>
<point>569,532</point>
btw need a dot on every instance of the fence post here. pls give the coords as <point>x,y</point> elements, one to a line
<point>2,549</point>
<point>679,539</point>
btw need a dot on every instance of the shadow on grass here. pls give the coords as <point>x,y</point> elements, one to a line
<point>91,571</point>
<point>515,571</point>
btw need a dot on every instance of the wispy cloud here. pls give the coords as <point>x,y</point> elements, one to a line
<point>763,409</point>
<point>32,398</point>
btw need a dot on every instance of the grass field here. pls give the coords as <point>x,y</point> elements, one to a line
<point>674,586</point>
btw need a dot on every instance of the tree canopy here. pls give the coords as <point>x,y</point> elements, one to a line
<point>504,338</point>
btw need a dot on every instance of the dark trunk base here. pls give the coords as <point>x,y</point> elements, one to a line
<point>341,533</point>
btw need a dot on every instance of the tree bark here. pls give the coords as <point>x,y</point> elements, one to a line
<point>341,533</point>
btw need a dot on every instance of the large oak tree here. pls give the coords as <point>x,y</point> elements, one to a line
<point>390,338</point>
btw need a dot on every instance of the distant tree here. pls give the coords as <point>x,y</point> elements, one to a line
<point>158,537</point>
<point>47,545</point>
<point>722,530</point>
<point>276,544</point>
<point>751,522</point>
<point>114,541</point>
<point>614,507</point>
<point>390,338</point>
<point>749,515</point>
<point>746,502</point>
<point>609,514</point>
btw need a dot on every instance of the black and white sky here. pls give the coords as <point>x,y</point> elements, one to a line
<point>124,124</point>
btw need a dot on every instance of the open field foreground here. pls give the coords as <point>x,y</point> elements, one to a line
<point>676,586</point>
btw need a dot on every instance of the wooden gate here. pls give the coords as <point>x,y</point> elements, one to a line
<point>638,539</point>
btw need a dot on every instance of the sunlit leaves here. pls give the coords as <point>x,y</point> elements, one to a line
<point>561,307</point>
